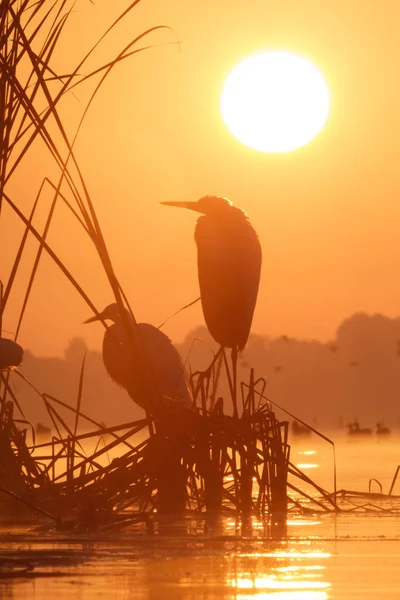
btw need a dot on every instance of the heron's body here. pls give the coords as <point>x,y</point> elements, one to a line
<point>229,266</point>
<point>11,354</point>
<point>124,364</point>
<point>166,366</point>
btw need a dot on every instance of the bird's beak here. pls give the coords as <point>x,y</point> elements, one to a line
<point>189,205</point>
<point>92,319</point>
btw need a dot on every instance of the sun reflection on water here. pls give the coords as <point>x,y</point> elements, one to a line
<point>272,582</point>
<point>301,523</point>
<point>283,554</point>
<point>296,595</point>
<point>281,575</point>
<point>301,568</point>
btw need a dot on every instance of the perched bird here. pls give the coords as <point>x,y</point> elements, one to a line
<point>11,354</point>
<point>169,374</point>
<point>229,265</point>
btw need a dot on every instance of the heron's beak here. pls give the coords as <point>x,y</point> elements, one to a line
<point>189,205</point>
<point>92,319</point>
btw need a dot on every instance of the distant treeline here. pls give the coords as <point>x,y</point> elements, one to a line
<point>356,375</point>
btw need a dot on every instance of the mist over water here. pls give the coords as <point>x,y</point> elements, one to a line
<point>356,375</point>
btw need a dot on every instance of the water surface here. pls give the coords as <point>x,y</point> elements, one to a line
<point>323,557</point>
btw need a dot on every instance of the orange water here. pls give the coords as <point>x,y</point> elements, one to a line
<point>324,556</point>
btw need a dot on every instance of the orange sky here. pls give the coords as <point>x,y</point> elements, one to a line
<point>327,214</point>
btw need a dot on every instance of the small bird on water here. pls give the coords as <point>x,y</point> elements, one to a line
<point>169,374</point>
<point>229,266</point>
<point>11,354</point>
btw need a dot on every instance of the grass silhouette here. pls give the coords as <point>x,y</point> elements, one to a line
<point>222,464</point>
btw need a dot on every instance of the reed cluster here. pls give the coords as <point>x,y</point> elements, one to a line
<point>198,461</point>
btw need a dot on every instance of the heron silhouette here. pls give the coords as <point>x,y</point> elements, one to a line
<point>170,380</point>
<point>11,354</point>
<point>229,266</point>
<point>170,376</point>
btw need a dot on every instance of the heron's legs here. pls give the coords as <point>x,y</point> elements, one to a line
<point>232,378</point>
<point>234,354</point>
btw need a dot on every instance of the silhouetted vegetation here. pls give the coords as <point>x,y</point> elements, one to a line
<point>199,448</point>
<point>202,459</point>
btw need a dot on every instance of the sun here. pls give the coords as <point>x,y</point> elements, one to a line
<point>275,101</point>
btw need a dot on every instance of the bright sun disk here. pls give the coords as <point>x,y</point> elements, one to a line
<point>275,101</point>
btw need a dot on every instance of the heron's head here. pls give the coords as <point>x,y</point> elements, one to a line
<point>208,205</point>
<point>110,313</point>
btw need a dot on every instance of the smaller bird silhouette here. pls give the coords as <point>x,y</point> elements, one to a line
<point>170,376</point>
<point>11,354</point>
